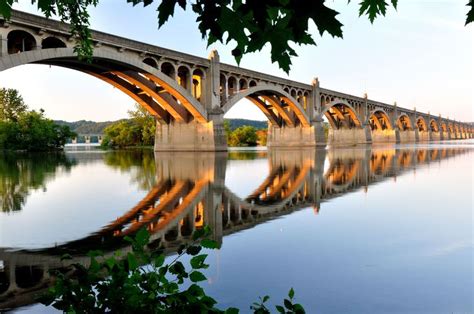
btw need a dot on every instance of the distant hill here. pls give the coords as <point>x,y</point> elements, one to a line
<point>235,123</point>
<point>86,127</point>
<point>92,127</point>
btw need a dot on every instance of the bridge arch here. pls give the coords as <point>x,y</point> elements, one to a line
<point>404,122</point>
<point>444,127</point>
<point>52,42</point>
<point>277,105</point>
<point>421,124</point>
<point>379,120</point>
<point>151,62</point>
<point>434,126</point>
<point>135,78</point>
<point>20,41</point>
<point>341,114</point>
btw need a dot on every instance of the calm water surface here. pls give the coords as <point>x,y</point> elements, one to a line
<point>362,230</point>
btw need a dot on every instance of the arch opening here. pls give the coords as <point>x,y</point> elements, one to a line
<point>379,120</point>
<point>279,108</point>
<point>434,126</point>
<point>20,41</point>
<point>151,62</point>
<point>341,116</point>
<point>421,124</point>
<point>52,42</point>
<point>168,69</point>
<point>198,84</point>
<point>404,123</point>
<point>184,77</point>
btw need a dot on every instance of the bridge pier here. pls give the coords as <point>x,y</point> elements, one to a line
<point>384,136</point>
<point>292,136</point>
<point>341,137</point>
<point>407,136</point>
<point>192,136</point>
<point>435,136</point>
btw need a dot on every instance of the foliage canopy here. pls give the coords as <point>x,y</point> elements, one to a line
<point>141,281</point>
<point>21,129</point>
<point>250,24</point>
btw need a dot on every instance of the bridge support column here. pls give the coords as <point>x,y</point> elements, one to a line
<point>192,136</point>
<point>384,136</point>
<point>407,136</point>
<point>3,46</point>
<point>292,136</point>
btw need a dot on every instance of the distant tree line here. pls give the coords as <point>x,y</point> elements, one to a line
<point>86,127</point>
<point>23,129</point>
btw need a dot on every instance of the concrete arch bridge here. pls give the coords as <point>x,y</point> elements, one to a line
<point>189,96</point>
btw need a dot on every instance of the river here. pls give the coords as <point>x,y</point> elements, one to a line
<point>382,229</point>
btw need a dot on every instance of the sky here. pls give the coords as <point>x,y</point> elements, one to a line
<point>420,55</point>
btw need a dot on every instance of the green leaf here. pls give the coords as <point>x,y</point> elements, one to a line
<point>197,276</point>
<point>209,244</point>
<point>159,260</point>
<point>197,262</point>
<point>6,8</point>
<point>166,9</point>
<point>298,308</point>
<point>193,250</point>
<point>288,304</point>
<point>232,310</point>
<point>470,14</point>
<point>291,293</point>
<point>132,261</point>
<point>265,298</point>
<point>280,309</point>
<point>142,237</point>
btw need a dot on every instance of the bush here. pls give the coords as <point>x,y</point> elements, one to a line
<point>141,282</point>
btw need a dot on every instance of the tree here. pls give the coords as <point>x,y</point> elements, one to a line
<point>11,104</point>
<point>243,136</point>
<point>146,122</point>
<point>250,24</point>
<point>21,129</point>
<point>139,130</point>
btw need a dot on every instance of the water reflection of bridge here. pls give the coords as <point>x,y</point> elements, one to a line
<point>191,192</point>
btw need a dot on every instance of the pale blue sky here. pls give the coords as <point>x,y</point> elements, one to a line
<point>421,55</point>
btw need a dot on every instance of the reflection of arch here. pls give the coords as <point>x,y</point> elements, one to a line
<point>404,159</point>
<point>20,41</point>
<point>341,174</point>
<point>404,123</point>
<point>379,120</point>
<point>421,124</point>
<point>28,276</point>
<point>4,281</point>
<point>381,162</point>
<point>159,94</point>
<point>274,102</point>
<point>52,42</point>
<point>341,114</point>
